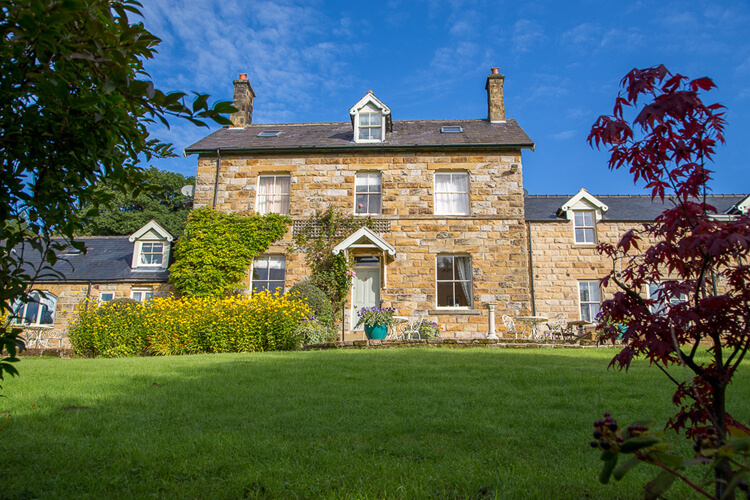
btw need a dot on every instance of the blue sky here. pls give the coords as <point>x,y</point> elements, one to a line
<point>309,61</point>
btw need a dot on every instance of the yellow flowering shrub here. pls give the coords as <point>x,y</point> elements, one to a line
<point>164,326</point>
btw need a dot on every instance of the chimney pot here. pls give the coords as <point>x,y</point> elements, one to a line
<point>243,101</point>
<point>495,70</point>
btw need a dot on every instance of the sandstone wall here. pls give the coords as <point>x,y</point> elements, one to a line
<point>559,264</point>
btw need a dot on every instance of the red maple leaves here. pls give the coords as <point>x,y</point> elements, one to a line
<point>690,287</point>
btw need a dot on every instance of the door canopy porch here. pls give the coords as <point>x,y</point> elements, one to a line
<point>365,238</point>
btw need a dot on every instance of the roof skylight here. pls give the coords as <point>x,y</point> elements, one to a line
<point>451,129</point>
<point>270,133</point>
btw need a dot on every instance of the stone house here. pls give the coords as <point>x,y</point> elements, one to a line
<point>446,196</point>
<point>564,232</point>
<point>113,267</point>
<point>454,233</point>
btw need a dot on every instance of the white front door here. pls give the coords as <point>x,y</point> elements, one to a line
<point>366,292</point>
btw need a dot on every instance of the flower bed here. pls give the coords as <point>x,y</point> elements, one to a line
<point>263,322</point>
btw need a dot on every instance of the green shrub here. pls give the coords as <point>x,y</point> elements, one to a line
<point>312,331</point>
<point>317,300</point>
<point>263,322</point>
<point>111,329</point>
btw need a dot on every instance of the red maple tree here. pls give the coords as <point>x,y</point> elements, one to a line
<point>693,257</point>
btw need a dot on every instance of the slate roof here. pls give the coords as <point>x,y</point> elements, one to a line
<point>108,259</point>
<point>628,208</point>
<point>340,136</point>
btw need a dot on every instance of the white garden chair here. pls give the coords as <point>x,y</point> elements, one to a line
<point>510,326</point>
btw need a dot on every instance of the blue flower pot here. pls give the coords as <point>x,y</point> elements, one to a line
<point>376,332</point>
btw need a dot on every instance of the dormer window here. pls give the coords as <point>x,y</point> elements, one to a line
<point>371,119</point>
<point>151,246</point>
<point>152,254</point>
<point>585,230</point>
<point>370,126</point>
<point>584,210</point>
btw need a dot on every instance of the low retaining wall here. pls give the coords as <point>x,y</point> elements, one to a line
<point>388,344</point>
<point>455,343</point>
<point>51,352</point>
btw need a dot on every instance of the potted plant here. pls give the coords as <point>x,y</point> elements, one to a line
<point>428,330</point>
<point>376,321</point>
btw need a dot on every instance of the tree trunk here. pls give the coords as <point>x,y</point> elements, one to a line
<point>723,470</point>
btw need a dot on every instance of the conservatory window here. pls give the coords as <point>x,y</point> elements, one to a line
<point>39,310</point>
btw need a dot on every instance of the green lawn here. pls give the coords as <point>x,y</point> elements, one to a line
<point>409,423</point>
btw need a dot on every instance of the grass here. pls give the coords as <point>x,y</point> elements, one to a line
<point>411,423</point>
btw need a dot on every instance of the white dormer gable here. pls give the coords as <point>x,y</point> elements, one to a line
<point>583,201</point>
<point>371,119</point>
<point>151,247</point>
<point>365,238</point>
<point>742,207</point>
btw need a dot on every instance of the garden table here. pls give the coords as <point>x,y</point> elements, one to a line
<point>581,324</point>
<point>533,322</point>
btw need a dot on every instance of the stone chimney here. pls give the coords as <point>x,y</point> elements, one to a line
<point>495,103</point>
<point>243,101</point>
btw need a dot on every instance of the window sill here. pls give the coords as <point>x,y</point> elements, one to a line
<point>454,312</point>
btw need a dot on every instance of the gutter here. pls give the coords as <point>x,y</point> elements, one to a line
<point>390,147</point>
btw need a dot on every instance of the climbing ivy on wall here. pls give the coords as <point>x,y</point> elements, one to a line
<point>218,248</point>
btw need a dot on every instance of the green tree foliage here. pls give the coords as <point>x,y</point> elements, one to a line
<point>75,102</point>
<point>317,300</point>
<point>218,249</point>
<point>160,200</point>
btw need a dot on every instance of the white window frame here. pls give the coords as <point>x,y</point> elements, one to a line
<point>140,294</point>
<point>660,308</point>
<point>589,304</point>
<point>452,210</point>
<point>267,281</point>
<point>262,200</point>
<point>368,194</point>
<point>456,281</point>
<point>583,226</point>
<point>369,110</point>
<point>142,253</point>
<point>102,300</point>
<point>36,297</point>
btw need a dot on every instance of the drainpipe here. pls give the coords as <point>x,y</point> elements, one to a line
<point>531,271</point>
<point>216,182</point>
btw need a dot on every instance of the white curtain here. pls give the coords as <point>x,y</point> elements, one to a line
<point>452,193</point>
<point>463,268</point>
<point>461,193</point>
<point>442,193</point>
<point>273,194</point>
